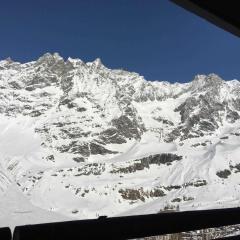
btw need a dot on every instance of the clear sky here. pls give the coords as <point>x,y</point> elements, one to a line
<point>155,38</point>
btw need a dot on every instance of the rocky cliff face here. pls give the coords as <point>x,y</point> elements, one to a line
<point>83,140</point>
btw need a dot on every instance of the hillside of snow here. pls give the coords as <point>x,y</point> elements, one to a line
<point>79,140</point>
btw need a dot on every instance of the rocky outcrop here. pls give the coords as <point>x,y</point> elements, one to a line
<point>141,164</point>
<point>224,173</point>
<point>140,194</point>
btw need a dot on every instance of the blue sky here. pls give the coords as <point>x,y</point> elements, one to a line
<point>155,38</point>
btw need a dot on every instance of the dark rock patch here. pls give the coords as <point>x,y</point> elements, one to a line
<point>164,121</point>
<point>30,88</point>
<point>224,173</point>
<point>91,169</point>
<point>50,158</point>
<point>236,167</point>
<point>112,135</point>
<point>185,198</point>
<point>198,183</point>
<point>78,159</point>
<point>98,149</point>
<point>225,137</point>
<point>140,194</point>
<point>15,85</point>
<point>126,127</point>
<point>85,149</point>
<point>35,113</point>
<point>165,158</point>
<point>176,200</point>
<point>232,116</point>
<point>172,187</point>
<point>81,109</point>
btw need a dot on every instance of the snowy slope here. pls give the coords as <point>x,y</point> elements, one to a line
<point>81,140</point>
<point>15,209</point>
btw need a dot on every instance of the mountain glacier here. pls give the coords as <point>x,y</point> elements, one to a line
<point>81,140</point>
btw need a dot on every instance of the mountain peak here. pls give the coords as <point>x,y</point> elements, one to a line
<point>209,77</point>
<point>50,58</point>
<point>202,81</point>
<point>97,63</point>
<point>9,60</point>
<point>199,77</point>
<point>214,77</point>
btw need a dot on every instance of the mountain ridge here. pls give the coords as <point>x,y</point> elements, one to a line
<point>83,140</point>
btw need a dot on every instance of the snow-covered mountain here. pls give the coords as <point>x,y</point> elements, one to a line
<point>83,140</point>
